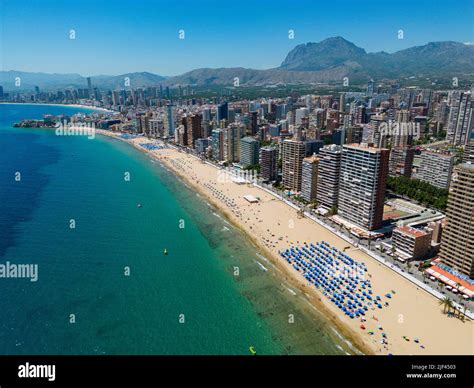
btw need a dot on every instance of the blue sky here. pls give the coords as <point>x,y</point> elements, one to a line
<point>120,36</point>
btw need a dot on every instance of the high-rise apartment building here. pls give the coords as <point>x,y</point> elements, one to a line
<point>328,176</point>
<point>194,129</point>
<point>435,168</point>
<point>170,124</point>
<point>249,151</point>
<point>232,136</point>
<point>293,153</point>
<point>461,118</point>
<point>457,242</point>
<point>218,144</point>
<point>468,155</point>
<point>401,161</point>
<point>223,112</point>
<point>309,178</point>
<point>362,185</point>
<point>268,163</point>
<point>300,115</point>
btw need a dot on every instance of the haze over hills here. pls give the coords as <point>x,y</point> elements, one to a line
<point>48,81</point>
<point>327,61</point>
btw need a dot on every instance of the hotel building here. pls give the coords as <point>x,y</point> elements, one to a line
<point>411,243</point>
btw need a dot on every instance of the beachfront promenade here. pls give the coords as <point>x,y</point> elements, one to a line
<point>414,280</point>
<point>418,283</point>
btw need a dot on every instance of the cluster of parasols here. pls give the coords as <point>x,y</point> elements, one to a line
<point>339,277</point>
<point>151,146</point>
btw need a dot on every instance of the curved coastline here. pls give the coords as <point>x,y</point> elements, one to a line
<point>400,321</point>
<point>319,308</point>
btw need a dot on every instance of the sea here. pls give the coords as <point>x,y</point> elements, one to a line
<point>96,216</point>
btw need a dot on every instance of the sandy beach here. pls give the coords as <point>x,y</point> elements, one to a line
<point>274,226</point>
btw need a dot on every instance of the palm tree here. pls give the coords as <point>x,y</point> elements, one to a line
<point>459,309</point>
<point>464,313</point>
<point>423,273</point>
<point>446,303</point>
<point>458,286</point>
<point>441,287</point>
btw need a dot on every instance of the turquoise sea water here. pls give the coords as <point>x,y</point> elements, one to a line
<point>81,270</point>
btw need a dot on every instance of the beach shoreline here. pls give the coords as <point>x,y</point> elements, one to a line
<point>357,345</point>
<point>421,300</point>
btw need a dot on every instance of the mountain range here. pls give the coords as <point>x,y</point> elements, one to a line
<point>327,61</point>
<point>47,81</point>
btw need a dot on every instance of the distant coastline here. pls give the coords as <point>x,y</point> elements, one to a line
<point>61,105</point>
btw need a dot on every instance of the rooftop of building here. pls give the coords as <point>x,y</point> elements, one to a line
<point>468,166</point>
<point>311,159</point>
<point>249,139</point>
<point>411,231</point>
<point>332,148</point>
<point>364,147</point>
<point>439,154</point>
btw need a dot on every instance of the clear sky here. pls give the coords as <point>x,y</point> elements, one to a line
<point>120,36</point>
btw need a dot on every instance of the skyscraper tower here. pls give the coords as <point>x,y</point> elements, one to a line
<point>362,185</point>
<point>328,175</point>
<point>223,112</point>
<point>457,242</point>
<point>435,168</point>
<point>401,161</point>
<point>461,118</point>
<point>194,129</point>
<point>232,135</point>
<point>89,86</point>
<point>293,153</point>
<point>249,151</point>
<point>269,163</point>
<point>170,120</point>
<point>370,87</point>
<point>309,178</point>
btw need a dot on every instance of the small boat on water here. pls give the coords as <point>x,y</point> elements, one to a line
<point>139,205</point>
<point>165,251</point>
